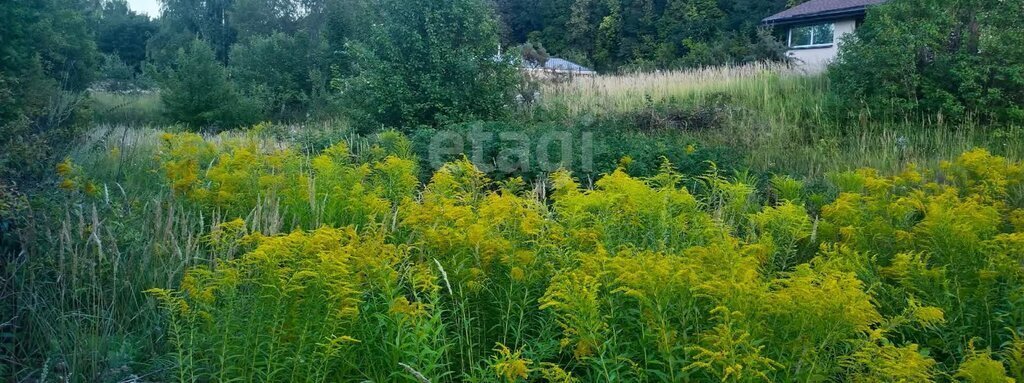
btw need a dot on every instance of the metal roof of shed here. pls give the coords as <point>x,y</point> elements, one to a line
<point>559,64</point>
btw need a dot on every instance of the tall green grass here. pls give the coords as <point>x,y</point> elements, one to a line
<point>136,109</point>
<point>84,257</point>
<point>781,120</point>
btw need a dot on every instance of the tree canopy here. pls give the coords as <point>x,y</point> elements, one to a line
<point>959,60</point>
<point>123,33</point>
<point>643,34</point>
<point>426,62</point>
<point>47,55</point>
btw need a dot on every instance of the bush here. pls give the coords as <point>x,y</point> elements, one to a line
<point>336,187</point>
<point>428,63</point>
<point>49,59</point>
<point>923,58</point>
<point>631,279</point>
<point>285,76</point>
<point>196,91</point>
<point>340,266</point>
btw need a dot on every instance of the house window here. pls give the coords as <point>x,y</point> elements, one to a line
<point>810,36</point>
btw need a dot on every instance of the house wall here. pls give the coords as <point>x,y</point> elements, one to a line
<point>814,60</point>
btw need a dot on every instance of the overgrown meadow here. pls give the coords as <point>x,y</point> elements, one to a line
<point>728,232</point>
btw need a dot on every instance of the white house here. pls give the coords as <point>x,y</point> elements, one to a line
<point>814,29</point>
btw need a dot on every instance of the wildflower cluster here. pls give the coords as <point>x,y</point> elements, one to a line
<point>73,179</point>
<point>266,182</point>
<point>908,277</point>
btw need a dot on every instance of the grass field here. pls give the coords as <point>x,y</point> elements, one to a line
<point>313,253</point>
<point>779,119</point>
<point>126,108</point>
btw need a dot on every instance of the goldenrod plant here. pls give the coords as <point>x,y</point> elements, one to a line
<point>266,261</point>
<point>904,277</point>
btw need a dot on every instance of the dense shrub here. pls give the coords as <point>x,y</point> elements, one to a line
<point>49,59</point>
<point>196,91</point>
<point>425,62</point>
<point>644,34</point>
<point>902,278</point>
<point>335,187</point>
<point>116,75</point>
<point>960,60</point>
<point>285,76</point>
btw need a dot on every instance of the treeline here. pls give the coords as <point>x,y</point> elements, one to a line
<point>295,59</point>
<point>389,62</point>
<point>259,59</point>
<point>644,34</point>
<point>234,62</point>
<point>49,56</point>
<point>220,64</point>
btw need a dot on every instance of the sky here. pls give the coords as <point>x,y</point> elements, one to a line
<point>148,7</point>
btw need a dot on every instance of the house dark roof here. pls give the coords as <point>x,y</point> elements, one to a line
<point>817,10</point>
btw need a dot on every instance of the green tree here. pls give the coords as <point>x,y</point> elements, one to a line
<point>343,24</point>
<point>639,33</point>
<point>552,32</point>
<point>181,21</point>
<point>691,28</point>
<point>960,60</point>
<point>253,18</point>
<point>580,27</point>
<point>123,33</point>
<point>47,58</point>
<point>282,74</point>
<point>195,90</point>
<point>645,34</point>
<point>427,62</point>
<point>519,18</point>
<point>280,53</point>
<point>116,75</point>
<point>609,32</point>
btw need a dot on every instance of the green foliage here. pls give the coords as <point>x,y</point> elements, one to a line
<point>427,63</point>
<point>281,54</point>
<point>981,368</point>
<point>137,109</point>
<point>262,18</point>
<point>611,140</point>
<point>48,59</point>
<point>954,60</point>
<point>292,299</point>
<point>873,363</point>
<point>123,33</point>
<point>782,229</point>
<point>182,21</point>
<point>632,270</point>
<point>937,233</point>
<point>644,34</point>
<point>286,76</point>
<point>234,176</point>
<point>337,264</point>
<point>729,355</point>
<point>196,91</point>
<point>117,76</point>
